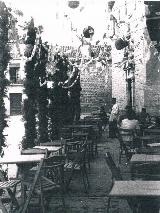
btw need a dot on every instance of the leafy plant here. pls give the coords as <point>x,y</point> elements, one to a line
<point>4,60</point>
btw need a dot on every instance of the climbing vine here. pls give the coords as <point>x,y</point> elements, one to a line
<point>59,100</point>
<point>30,85</point>
<point>42,98</point>
<point>4,60</point>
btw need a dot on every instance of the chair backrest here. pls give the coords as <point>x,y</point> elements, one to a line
<point>48,171</point>
<point>81,155</point>
<point>124,146</point>
<point>24,208</point>
<point>112,166</point>
<point>74,146</point>
<point>128,135</point>
<point>53,169</point>
<point>65,133</point>
<point>56,159</point>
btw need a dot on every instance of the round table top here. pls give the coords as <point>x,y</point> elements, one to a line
<point>147,137</point>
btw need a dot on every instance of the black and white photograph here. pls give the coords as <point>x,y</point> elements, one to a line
<point>79,106</point>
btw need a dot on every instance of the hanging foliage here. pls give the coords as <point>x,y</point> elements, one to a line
<point>59,104</point>
<point>30,86</point>
<point>42,98</point>
<point>4,60</point>
<point>74,88</point>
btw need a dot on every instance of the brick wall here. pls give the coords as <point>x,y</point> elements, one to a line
<point>96,88</point>
<point>147,64</point>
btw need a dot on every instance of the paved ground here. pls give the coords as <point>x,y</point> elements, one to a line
<point>77,201</point>
<point>100,180</point>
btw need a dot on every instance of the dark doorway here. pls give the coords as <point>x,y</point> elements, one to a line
<point>15,103</point>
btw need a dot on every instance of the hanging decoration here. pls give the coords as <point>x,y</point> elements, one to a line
<point>73,4</point>
<point>72,80</point>
<point>129,63</point>
<point>110,5</point>
<point>121,43</point>
<point>88,32</point>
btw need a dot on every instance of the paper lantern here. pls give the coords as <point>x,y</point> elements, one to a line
<point>120,44</point>
<point>73,4</point>
<point>88,32</point>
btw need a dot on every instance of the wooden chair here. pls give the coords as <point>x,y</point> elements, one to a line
<point>9,187</point>
<point>115,171</point>
<point>65,133</point>
<point>126,146</point>
<point>116,176</point>
<point>77,163</point>
<point>48,177</point>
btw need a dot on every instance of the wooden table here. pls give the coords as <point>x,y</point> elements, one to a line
<point>49,148</point>
<point>79,126</point>
<point>80,135</point>
<point>21,159</point>
<point>148,150</point>
<point>157,145</point>
<point>152,131</point>
<point>145,194</point>
<point>136,189</point>
<point>32,151</point>
<point>59,142</point>
<point>147,139</point>
<point>82,128</point>
<point>145,158</point>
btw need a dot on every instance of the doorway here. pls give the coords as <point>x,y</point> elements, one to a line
<point>15,103</point>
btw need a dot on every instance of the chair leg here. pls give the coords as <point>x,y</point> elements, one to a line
<point>69,179</point>
<point>42,199</point>
<point>63,200</point>
<point>85,185</point>
<point>86,175</point>
<point>108,205</point>
<point>2,207</point>
<point>87,157</point>
<point>42,203</point>
<point>120,155</point>
<point>84,181</point>
<point>13,198</point>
